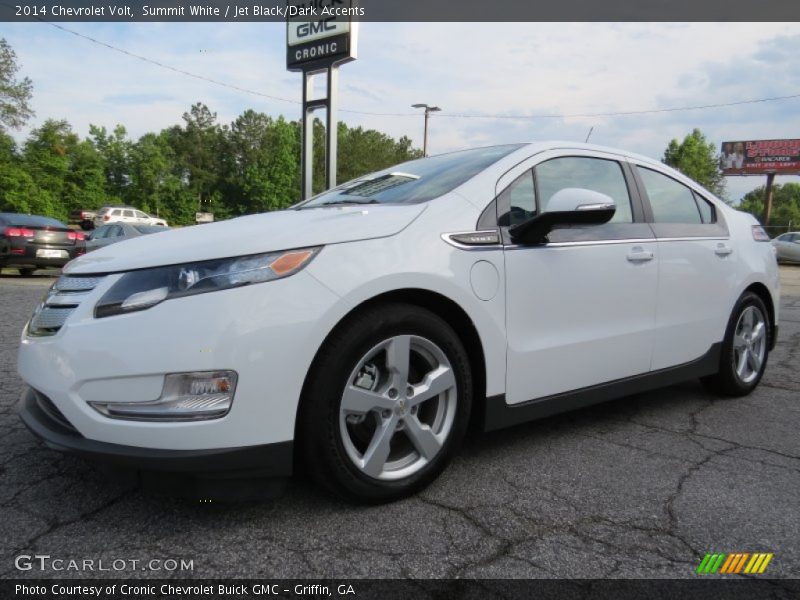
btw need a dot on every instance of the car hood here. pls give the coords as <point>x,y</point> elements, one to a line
<point>267,232</point>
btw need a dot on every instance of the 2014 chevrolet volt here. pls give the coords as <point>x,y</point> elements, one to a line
<point>363,329</point>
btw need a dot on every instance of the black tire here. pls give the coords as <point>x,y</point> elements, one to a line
<point>321,443</point>
<point>87,225</point>
<point>26,272</point>
<point>727,381</point>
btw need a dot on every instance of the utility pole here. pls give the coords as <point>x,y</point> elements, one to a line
<point>428,111</point>
<point>768,199</point>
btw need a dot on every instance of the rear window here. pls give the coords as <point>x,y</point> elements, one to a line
<point>414,181</point>
<point>149,228</point>
<point>31,221</point>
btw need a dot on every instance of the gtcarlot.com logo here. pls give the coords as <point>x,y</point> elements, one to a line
<point>734,563</point>
<point>45,562</point>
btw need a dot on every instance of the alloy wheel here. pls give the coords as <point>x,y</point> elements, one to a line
<point>398,407</point>
<point>749,344</point>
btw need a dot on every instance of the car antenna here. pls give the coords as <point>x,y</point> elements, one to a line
<point>588,135</point>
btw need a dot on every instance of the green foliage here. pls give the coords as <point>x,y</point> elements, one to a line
<point>249,166</point>
<point>697,158</point>
<point>15,94</point>
<point>785,204</point>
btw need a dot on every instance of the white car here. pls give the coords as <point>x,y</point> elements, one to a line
<point>361,330</point>
<point>125,214</point>
<point>787,247</point>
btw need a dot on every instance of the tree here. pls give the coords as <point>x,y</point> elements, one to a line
<point>17,190</point>
<point>785,204</point>
<point>15,94</point>
<point>697,158</point>
<point>115,150</point>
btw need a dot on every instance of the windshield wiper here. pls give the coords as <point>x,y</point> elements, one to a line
<point>344,202</point>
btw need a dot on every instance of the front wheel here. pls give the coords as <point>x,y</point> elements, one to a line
<point>745,349</point>
<point>386,405</point>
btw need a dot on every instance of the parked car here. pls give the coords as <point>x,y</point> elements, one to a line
<point>361,330</point>
<point>84,218</point>
<point>118,232</point>
<point>787,247</point>
<point>125,214</point>
<point>30,242</point>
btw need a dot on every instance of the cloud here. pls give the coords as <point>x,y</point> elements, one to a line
<point>472,68</point>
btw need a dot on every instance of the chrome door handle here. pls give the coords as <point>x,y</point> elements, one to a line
<point>638,255</point>
<point>723,250</point>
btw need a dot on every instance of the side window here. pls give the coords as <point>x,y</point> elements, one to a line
<point>100,233</point>
<point>672,202</point>
<point>128,213</point>
<point>116,212</point>
<point>597,174</point>
<point>140,215</point>
<point>707,211</point>
<point>518,199</point>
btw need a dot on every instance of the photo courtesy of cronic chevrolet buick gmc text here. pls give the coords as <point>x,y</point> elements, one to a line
<point>360,331</point>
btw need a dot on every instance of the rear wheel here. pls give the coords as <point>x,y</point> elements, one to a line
<point>745,349</point>
<point>387,404</point>
<point>26,272</point>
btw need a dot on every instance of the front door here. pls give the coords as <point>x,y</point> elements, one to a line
<point>580,308</point>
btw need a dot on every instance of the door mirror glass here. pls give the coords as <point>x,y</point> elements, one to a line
<point>569,206</point>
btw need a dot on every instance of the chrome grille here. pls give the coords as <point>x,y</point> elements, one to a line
<point>61,301</point>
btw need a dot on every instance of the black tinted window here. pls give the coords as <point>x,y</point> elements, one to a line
<point>707,211</point>
<point>597,174</point>
<point>519,200</point>
<point>149,228</point>
<point>672,202</point>
<point>414,181</point>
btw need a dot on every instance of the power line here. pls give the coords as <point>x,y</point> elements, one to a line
<point>439,115</point>
<point>622,113</point>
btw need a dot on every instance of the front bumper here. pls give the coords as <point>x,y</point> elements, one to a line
<point>211,473</point>
<point>267,333</point>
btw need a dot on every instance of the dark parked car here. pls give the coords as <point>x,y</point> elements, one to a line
<point>84,218</point>
<point>117,232</point>
<point>30,242</point>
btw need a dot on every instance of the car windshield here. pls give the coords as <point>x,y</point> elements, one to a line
<point>414,181</point>
<point>150,228</point>
<point>31,221</point>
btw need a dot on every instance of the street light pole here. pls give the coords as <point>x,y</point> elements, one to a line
<point>428,111</point>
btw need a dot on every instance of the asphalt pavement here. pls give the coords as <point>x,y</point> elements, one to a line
<point>640,487</point>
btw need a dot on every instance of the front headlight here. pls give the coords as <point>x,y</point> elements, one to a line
<point>138,290</point>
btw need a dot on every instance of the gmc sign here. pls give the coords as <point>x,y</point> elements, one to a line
<point>318,44</point>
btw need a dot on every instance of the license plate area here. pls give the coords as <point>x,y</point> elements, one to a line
<point>48,253</point>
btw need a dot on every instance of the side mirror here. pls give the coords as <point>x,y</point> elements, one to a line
<point>570,206</point>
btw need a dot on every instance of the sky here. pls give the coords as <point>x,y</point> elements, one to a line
<point>506,69</point>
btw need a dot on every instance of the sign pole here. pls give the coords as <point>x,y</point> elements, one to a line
<point>307,151</point>
<point>316,47</point>
<point>768,199</point>
<point>332,126</point>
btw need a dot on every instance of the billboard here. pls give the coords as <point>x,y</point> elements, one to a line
<point>329,39</point>
<point>758,157</point>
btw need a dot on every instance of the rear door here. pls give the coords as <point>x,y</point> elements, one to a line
<point>697,279</point>
<point>581,307</point>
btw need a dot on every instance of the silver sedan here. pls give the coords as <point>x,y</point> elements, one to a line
<point>787,247</point>
<point>117,232</point>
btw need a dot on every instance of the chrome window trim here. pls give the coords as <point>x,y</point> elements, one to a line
<point>608,242</point>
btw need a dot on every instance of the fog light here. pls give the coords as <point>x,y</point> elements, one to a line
<point>185,397</point>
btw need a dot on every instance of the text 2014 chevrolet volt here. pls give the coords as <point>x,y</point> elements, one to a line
<point>361,330</point>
